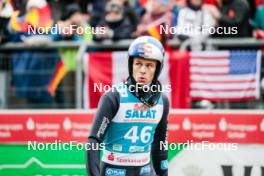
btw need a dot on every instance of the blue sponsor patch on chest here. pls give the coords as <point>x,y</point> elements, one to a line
<point>149,114</point>
<point>164,165</point>
<point>145,170</point>
<point>115,172</point>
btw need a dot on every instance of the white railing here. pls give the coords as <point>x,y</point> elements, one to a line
<point>121,45</point>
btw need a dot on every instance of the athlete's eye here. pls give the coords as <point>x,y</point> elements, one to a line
<point>138,64</point>
<point>149,65</point>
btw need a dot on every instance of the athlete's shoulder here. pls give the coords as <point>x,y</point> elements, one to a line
<point>165,100</point>
<point>112,95</point>
<point>109,101</point>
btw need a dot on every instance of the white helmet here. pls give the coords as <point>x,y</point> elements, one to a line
<point>146,47</point>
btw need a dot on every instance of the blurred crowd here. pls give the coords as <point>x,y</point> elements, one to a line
<point>125,19</point>
<point>31,21</point>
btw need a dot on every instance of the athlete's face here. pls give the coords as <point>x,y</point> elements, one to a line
<point>144,70</point>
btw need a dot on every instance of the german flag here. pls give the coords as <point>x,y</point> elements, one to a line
<point>37,17</point>
<point>154,31</point>
<point>60,73</point>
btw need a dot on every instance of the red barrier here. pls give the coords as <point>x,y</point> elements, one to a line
<point>195,126</point>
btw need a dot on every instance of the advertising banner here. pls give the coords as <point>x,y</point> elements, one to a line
<point>201,143</point>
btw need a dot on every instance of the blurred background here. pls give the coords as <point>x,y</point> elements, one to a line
<point>213,66</point>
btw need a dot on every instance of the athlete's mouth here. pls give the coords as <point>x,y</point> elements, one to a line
<point>141,79</point>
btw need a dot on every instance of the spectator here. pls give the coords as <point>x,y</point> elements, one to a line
<point>158,13</point>
<point>177,5</point>
<point>194,21</point>
<point>72,17</point>
<point>259,23</point>
<point>19,5</point>
<point>6,11</point>
<point>96,11</point>
<point>32,69</point>
<point>118,25</point>
<point>56,9</point>
<point>131,14</point>
<point>234,13</point>
<point>140,7</point>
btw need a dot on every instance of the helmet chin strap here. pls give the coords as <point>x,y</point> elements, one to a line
<point>149,98</point>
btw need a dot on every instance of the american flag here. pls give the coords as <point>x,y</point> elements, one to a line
<point>225,75</point>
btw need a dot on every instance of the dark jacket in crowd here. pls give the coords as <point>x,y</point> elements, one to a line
<point>96,12</point>
<point>122,29</point>
<point>4,58</point>
<point>132,15</point>
<point>235,13</point>
<point>3,30</point>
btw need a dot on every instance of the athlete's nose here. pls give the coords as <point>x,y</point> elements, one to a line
<point>143,69</point>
